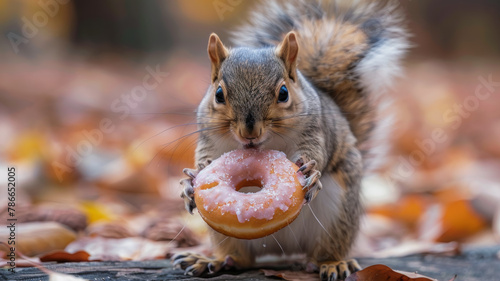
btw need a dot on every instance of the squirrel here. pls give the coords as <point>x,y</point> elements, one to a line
<point>307,78</point>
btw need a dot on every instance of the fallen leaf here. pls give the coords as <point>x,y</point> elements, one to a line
<point>291,275</point>
<point>97,211</point>
<point>28,146</point>
<point>73,218</point>
<point>407,210</point>
<point>108,249</point>
<point>450,221</point>
<point>35,238</point>
<point>419,247</point>
<point>171,230</point>
<point>109,230</point>
<point>68,216</point>
<point>380,272</point>
<point>63,256</point>
<point>21,260</point>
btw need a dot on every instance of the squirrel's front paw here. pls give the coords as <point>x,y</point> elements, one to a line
<point>187,184</point>
<point>312,183</point>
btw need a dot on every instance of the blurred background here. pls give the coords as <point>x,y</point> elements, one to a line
<point>97,102</point>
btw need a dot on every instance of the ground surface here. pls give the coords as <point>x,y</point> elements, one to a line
<point>473,265</point>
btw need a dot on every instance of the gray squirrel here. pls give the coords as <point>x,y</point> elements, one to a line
<point>306,78</point>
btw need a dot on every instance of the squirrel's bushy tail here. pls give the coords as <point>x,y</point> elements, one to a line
<point>349,49</point>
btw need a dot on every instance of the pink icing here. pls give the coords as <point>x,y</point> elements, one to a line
<point>234,167</point>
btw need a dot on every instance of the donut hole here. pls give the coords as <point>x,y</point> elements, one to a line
<point>249,186</point>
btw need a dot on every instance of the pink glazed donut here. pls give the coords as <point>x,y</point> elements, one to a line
<point>249,215</point>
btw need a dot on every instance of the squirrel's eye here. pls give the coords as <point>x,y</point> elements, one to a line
<point>283,94</point>
<point>219,96</point>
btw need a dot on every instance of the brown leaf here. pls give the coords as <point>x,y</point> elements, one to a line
<point>35,238</point>
<point>380,272</point>
<point>109,230</point>
<point>68,216</point>
<point>63,256</point>
<point>171,230</point>
<point>107,249</point>
<point>291,275</point>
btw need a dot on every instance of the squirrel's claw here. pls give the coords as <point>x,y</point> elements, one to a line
<point>196,265</point>
<point>338,270</point>
<point>188,194</point>
<point>187,184</point>
<point>313,186</point>
<point>312,183</point>
<point>306,167</point>
<point>192,173</point>
<point>188,190</point>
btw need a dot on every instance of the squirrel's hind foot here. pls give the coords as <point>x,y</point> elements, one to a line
<point>196,264</point>
<point>337,270</point>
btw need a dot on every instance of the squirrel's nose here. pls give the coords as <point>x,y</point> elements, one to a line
<point>249,122</point>
<point>250,129</point>
<point>251,135</point>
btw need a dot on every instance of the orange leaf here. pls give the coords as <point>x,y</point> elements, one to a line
<point>460,221</point>
<point>63,256</point>
<point>451,221</point>
<point>407,210</point>
<point>380,272</point>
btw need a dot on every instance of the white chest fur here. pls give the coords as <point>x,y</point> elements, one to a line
<point>301,235</point>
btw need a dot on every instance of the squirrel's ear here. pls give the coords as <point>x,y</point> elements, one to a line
<point>288,50</point>
<point>217,53</point>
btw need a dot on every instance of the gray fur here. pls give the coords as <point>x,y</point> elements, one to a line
<point>332,109</point>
